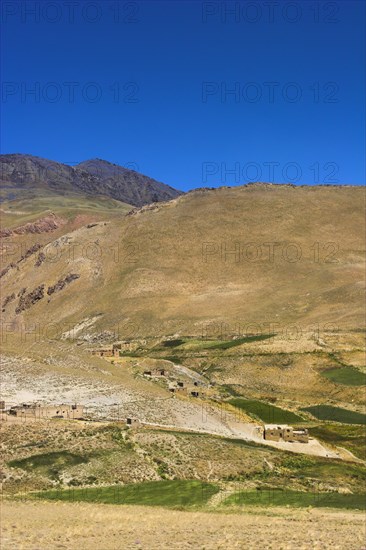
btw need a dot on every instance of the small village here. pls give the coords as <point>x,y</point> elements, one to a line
<point>37,411</point>
<point>269,432</point>
<point>174,386</point>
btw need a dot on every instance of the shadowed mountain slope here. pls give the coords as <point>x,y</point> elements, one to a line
<point>128,185</point>
<point>26,176</point>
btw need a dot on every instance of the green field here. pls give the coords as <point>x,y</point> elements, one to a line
<point>173,343</point>
<point>171,494</point>
<point>265,411</point>
<point>239,341</point>
<point>351,437</point>
<point>336,414</point>
<point>323,470</point>
<point>197,344</point>
<point>348,376</point>
<point>296,499</point>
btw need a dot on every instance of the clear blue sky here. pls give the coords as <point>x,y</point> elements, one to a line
<point>152,81</point>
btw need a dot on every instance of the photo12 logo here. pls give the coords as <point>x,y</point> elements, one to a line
<point>254,12</point>
<point>273,92</point>
<point>273,252</point>
<point>268,332</point>
<point>237,172</point>
<point>73,12</point>
<point>69,92</point>
<point>30,333</point>
<point>66,251</point>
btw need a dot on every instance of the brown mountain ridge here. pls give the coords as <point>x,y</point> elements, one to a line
<point>26,176</point>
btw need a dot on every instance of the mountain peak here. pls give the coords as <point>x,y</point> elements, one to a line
<point>92,177</point>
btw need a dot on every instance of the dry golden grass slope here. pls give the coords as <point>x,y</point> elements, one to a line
<point>73,526</point>
<point>170,268</point>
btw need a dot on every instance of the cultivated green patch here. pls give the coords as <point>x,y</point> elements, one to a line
<point>348,376</point>
<point>276,497</point>
<point>172,343</point>
<point>351,437</point>
<point>265,411</point>
<point>239,341</point>
<point>170,494</point>
<point>201,344</point>
<point>336,414</point>
<point>322,470</point>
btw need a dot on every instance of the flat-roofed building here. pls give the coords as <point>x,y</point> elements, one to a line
<point>38,411</point>
<point>276,432</point>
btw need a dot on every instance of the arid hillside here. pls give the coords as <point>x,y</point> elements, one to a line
<point>254,258</point>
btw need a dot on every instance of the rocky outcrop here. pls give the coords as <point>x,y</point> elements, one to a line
<point>146,208</point>
<point>6,269</point>
<point>7,300</point>
<point>27,300</point>
<point>43,225</point>
<point>61,283</point>
<point>41,258</point>
<point>32,250</point>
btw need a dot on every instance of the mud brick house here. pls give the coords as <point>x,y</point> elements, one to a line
<point>132,422</point>
<point>128,346</point>
<point>36,411</point>
<point>116,349</point>
<point>155,372</point>
<point>159,372</point>
<point>178,389</point>
<point>275,432</point>
<point>301,434</point>
<point>103,352</point>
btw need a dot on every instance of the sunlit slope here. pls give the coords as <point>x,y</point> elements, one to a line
<point>41,219</point>
<point>29,209</point>
<point>264,254</point>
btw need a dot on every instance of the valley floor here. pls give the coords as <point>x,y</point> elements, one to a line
<point>71,526</point>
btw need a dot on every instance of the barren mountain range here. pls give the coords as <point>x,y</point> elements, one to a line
<point>24,175</point>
